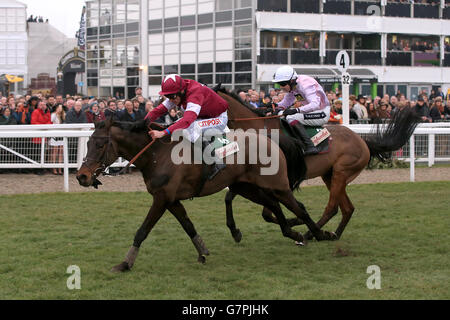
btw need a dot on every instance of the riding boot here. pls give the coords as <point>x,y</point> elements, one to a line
<point>217,167</point>
<point>309,147</point>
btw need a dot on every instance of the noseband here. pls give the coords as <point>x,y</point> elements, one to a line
<point>102,159</point>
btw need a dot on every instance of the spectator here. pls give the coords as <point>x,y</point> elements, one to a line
<point>119,96</point>
<point>254,100</point>
<point>138,92</point>
<point>7,118</point>
<point>102,105</point>
<point>120,106</point>
<point>57,117</point>
<point>111,110</point>
<point>393,102</point>
<point>129,114</point>
<point>440,93</point>
<point>40,116</point>
<point>422,109</point>
<point>51,102</point>
<point>447,110</point>
<point>373,114</point>
<point>94,114</point>
<point>432,94</point>
<point>23,114</point>
<point>85,103</point>
<point>243,96</point>
<point>76,114</point>
<point>437,112</point>
<point>70,103</point>
<point>171,117</point>
<point>142,102</point>
<point>139,109</point>
<point>336,113</point>
<point>360,109</point>
<point>383,112</point>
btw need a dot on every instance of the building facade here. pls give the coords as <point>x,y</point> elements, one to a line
<point>14,42</point>
<point>393,45</point>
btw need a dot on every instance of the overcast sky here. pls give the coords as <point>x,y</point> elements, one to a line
<point>64,15</point>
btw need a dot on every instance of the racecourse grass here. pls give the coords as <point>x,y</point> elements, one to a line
<point>402,228</point>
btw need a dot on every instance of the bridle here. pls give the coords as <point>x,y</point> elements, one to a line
<point>102,159</point>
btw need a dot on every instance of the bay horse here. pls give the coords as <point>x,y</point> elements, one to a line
<point>170,183</point>
<point>348,156</point>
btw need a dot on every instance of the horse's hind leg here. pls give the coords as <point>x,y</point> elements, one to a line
<point>178,210</point>
<point>156,211</point>
<point>347,210</point>
<point>287,198</point>
<point>332,207</point>
<point>257,195</point>
<point>236,233</point>
<point>269,217</point>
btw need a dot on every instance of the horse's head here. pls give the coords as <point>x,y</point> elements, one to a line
<point>102,152</point>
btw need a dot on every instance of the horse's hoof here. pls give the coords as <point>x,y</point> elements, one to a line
<point>237,236</point>
<point>330,236</point>
<point>121,267</point>
<point>202,259</point>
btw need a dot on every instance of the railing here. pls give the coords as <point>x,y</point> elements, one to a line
<point>337,7</point>
<point>407,9</point>
<point>368,57</point>
<point>305,6</point>
<point>412,58</point>
<point>430,143</point>
<point>289,56</point>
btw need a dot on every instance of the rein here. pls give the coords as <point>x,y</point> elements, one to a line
<point>257,118</point>
<point>134,159</point>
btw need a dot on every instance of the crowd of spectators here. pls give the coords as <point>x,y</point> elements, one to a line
<point>36,19</point>
<point>47,110</point>
<point>432,107</point>
<point>39,109</point>
<point>50,109</point>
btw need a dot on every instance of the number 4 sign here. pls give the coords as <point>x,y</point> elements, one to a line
<point>342,60</point>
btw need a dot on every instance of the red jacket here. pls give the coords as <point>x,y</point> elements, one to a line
<point>199,102</point>
<point>40,117</point>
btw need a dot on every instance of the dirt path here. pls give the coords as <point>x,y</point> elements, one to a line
<point>30,183</point>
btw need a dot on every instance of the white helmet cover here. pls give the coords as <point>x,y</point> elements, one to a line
<point>284,73</point>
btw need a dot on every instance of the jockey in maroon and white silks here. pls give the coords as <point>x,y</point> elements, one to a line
<point>203,108</point>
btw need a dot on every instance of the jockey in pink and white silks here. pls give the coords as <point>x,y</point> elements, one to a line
<point>315,107</point>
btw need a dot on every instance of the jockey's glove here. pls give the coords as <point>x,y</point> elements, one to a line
<point>289,112</point>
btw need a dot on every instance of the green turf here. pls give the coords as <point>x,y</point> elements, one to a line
<point>403,228</point>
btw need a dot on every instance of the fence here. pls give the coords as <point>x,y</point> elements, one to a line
<point>27,147</point>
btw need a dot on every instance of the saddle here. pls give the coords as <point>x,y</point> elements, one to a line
<point>317,134</point>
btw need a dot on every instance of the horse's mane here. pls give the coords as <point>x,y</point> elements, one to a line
<point>235,96</point>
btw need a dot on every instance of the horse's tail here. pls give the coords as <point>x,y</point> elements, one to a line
<point>392,137</point>
<point>296,163</point>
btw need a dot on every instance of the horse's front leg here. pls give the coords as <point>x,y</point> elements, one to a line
<point>236,233</point>
<point>156,211</point>
<point>178,210</point>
